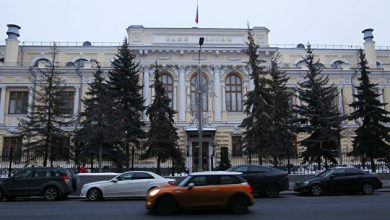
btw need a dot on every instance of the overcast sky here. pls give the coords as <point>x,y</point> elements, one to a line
<point>289,21</point>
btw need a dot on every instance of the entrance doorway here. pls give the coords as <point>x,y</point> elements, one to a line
<point>205,156</point>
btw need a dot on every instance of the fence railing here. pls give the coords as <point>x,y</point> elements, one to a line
<point>136,162</point>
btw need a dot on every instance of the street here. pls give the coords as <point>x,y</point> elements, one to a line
<point>289,206</point>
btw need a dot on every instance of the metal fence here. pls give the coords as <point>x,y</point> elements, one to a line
<point>136,162</point>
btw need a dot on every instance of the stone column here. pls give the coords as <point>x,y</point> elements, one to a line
<point>146,90</point>
<point>340,99</point>
<point>2,103</point>
<point>30,99</point>
<point>223,97</point>
<point>76,99</point>
<point>174,97</point>
<point>182,94</point>
<point>217,92</point>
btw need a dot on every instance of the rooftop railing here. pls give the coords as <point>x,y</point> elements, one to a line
<point>116,44</point>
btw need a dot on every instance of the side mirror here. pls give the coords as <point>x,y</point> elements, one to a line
<point>190,186</point>
<point>114,180</point>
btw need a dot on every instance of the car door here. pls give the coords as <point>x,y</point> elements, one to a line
<point>20,183</point>
<point>40,177</point>
<point>141,183</point>
<point>119,186</point>
<point>338,181</point>
<point>225,185</point>
<point>201,194</point>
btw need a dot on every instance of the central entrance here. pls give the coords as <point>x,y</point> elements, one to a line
<point>205,155</point>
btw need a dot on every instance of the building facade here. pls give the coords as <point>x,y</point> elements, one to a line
<point>222,60</point>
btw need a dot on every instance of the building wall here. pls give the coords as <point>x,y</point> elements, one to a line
<point>177,51</point>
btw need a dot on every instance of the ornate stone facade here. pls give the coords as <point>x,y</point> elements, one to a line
<point>177,50</point>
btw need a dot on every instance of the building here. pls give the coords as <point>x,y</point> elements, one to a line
<point>222,59</point>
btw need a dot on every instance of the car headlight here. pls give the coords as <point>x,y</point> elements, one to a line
<point>306,183</point>
<point>154,192</point>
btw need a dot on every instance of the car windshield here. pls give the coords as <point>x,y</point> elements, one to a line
<point>325,173</point>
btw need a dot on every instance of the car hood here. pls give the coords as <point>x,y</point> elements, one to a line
<point>315,179</point>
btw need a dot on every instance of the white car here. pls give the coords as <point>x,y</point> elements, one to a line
<point>129,184</point>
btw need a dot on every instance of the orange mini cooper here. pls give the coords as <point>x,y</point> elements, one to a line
<point>202,190</point>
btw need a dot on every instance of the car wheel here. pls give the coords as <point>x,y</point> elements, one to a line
<point>316,190</point>
<point>367,189</point>
<point>94,194</point>
<point>271,190</point>
<point>51,193</point>
<point>166,206</point>
<point>239,205</point>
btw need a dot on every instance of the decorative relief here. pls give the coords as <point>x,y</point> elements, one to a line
<point>136,37</point>
<point>218,39</point>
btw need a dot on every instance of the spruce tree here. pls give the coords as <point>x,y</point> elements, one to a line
<point>319,115</point>
<point>125,91</point>
<point>97,130</point>
<point>372,135</point>
<point>283,119</point>
<point>162,137</point>
<point>43,129</point>
<point>257,106</point>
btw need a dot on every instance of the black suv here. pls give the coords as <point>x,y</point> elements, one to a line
<point>50,182</point>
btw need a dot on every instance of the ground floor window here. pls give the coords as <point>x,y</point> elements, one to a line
<point>12,147</point>
<point>236,146</point>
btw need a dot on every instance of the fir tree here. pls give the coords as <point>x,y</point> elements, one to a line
<point>43,129</point>
<point>257,106</point>
<point>125,92</point>
<point>372,136</point>
<point>97,130</point>
<point>283,117</point>
<point>319,115</point>
<point>162,137</point>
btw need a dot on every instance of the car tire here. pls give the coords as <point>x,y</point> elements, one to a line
<point>368,189</point>
<point>166,206</point>
<point>239,205</point>
<point>94,194</point>
<point>271,190</point>
<point>51,193</point>
<point>316,190</point>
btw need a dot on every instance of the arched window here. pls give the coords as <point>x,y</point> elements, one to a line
<point>168,85</point>
<point>194,99</point>
<point>43,62</point>
<point>233,85</point>
<point>338,64</point>
<point>80,62</point>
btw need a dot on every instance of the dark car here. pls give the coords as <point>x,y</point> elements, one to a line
<point>51,183</point>
<point>340,180</point>
<point>264,180</point>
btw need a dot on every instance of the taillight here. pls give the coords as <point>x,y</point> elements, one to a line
<point>171,182</point>
<point>249,189</point>
<point>66,179</point>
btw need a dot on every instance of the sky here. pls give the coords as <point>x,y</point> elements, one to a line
<point>334,22</point>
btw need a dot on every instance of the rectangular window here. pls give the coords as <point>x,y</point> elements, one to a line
<point>236,146</point>
<point>14,145</point>
<point>18,102</point>
<point>68,103</point>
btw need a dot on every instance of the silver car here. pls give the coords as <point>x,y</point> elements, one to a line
<point>129,184</point>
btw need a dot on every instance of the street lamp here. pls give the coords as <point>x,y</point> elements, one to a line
<point>200,110</point>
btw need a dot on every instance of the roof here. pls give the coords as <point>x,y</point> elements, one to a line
<point>215,173</point>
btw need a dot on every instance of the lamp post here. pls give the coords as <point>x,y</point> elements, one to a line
<point>200,110</point>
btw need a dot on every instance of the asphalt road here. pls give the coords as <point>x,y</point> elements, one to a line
<point>287,207</point>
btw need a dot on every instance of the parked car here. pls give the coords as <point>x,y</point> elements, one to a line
<point>340,180</point>
<point>203,190</point>
<point>264,180</point>
<point>128,184</point>
<point>50,182</point>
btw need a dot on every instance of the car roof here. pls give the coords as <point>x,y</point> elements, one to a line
<point>211,173</point>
